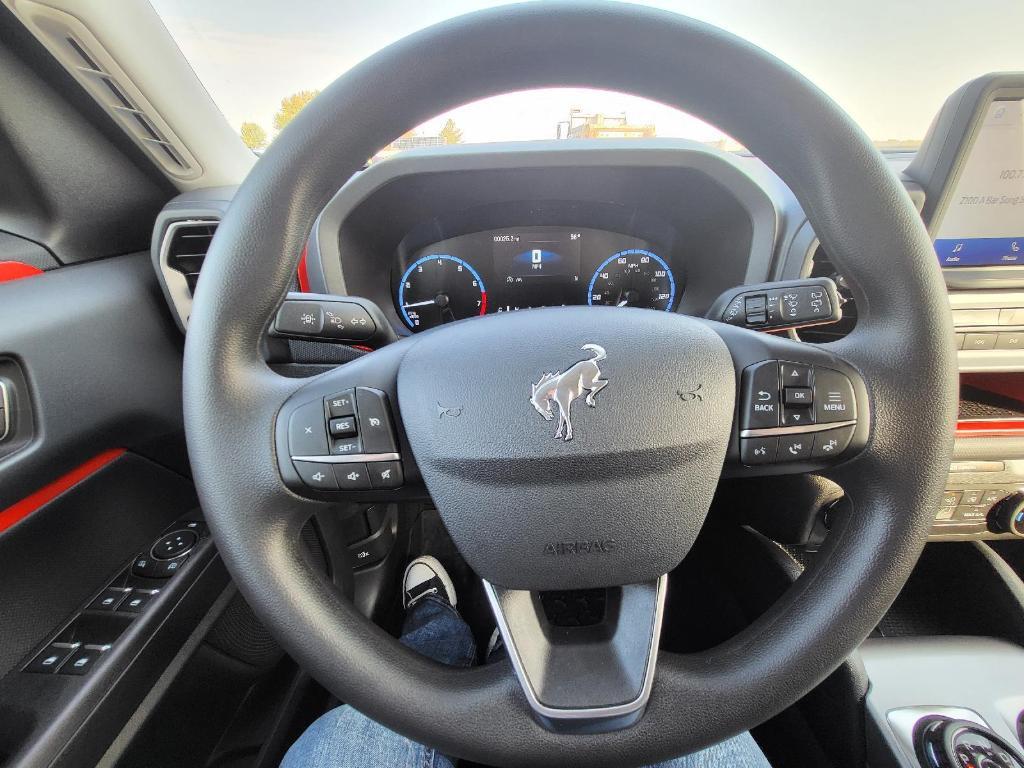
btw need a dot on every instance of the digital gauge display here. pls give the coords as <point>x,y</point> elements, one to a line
<point>523,267</point>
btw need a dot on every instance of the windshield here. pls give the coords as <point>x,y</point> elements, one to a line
<point>889,64</point>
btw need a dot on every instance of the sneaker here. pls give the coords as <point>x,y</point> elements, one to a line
<point>426,576</point>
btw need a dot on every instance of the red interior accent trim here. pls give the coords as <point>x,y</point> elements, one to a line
<point>22,509</point>
<point>15,270</point>
<point>303,274</point>
<point>1006,384</point>
<point>1001,427</point>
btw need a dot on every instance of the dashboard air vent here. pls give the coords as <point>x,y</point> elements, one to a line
<point>821,266</point>
<point>185,248</point>
<point>81,53</point>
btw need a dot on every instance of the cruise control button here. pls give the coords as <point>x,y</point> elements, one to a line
<point>316,475</point>
<point>342,404</point>
<point>758,450</point>
<point>832,442</point>
<point>795,374</point>
<point>385,474</point>
<point>795,447</point>
<point>760,401</point>
<point>352,477</point>
<point>833,396</point>
<point>374,421</point>
<point>307,431</point>
<point>343,427</point>
<point>347,446</point>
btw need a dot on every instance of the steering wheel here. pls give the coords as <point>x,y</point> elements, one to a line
<point>621,503</point>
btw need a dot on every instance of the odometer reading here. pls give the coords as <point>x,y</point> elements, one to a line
<point>438,289</point>
<point>633,278</point>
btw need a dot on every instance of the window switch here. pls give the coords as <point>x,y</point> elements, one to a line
<point>83,660</point>
<point>109,599</point>
<point>51,657</point>
<point>138,600</point>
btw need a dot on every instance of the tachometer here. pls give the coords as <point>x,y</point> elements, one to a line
<point>633,278</point>
<point>438,289</point>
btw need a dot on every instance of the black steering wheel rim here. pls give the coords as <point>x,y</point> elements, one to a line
<point>902,346</point>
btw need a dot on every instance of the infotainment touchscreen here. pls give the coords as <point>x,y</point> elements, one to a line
<point>983,221</point>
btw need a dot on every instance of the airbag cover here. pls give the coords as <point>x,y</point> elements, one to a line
<point>621,501</point>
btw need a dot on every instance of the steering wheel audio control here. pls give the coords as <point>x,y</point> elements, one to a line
<point>346,442</point>
<point>795,412</point>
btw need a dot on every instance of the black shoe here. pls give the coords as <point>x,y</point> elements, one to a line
<point>426,576</point>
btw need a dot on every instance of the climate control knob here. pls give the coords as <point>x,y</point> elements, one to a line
<point>1008,515</point>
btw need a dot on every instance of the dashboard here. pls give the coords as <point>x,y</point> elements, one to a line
<point>515,268</point>
<point>448,234</point>
<point>434,237</point>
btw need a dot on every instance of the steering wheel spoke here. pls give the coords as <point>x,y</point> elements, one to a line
<point>799,408</point>
<point>589,673</point>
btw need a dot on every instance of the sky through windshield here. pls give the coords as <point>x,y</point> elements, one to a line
<point>889,64</point>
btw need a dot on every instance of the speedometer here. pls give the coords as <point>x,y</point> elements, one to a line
<point>633,278</point>
<point>439,289</point>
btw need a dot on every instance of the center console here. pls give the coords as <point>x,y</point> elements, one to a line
<point>970,169</point>
<point>952,701</point>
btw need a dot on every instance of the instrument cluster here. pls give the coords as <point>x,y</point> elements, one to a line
<point>504,270</point>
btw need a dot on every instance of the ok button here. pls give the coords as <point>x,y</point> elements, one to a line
<point>760,401</point>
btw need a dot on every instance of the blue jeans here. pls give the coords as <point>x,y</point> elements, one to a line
<point>345,738</point>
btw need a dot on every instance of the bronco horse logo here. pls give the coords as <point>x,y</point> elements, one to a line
<point>563,388</point>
